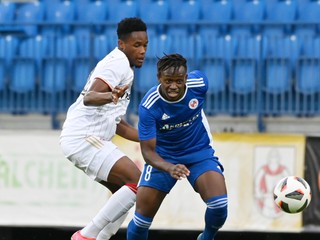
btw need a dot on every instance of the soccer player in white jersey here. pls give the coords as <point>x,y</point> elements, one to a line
<point>176,143</point>
<point>94,119</point>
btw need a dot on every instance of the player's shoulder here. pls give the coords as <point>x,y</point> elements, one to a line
<point>196,78</point>
<point>151,97</point>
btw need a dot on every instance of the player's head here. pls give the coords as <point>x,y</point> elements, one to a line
<point>133,40</point>
<point>172,76</point>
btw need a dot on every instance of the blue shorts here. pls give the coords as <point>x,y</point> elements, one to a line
<point>162,181</point>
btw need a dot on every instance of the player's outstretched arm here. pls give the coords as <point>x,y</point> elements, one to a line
<point>177,171</point>
<point>100,93</point>
<point>127,131</point>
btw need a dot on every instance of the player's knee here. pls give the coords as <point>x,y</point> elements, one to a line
<point>133,187</point>
<point>217,211</point>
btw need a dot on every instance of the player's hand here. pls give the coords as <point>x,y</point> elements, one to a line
<point>118,92</point>
<point>179,171</point>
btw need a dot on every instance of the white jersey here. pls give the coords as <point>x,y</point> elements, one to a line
<point>84,121</point>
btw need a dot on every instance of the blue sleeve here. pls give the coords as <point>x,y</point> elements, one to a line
<point>146,124</point>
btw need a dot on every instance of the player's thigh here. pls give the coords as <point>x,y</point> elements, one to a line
<point>123,171</point>
<point>210,184</point>
<point>148,201</point>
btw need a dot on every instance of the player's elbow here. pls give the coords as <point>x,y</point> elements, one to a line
<point>87,99</point>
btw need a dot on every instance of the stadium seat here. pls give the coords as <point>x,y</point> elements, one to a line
<point>189,12</point>
<point>278,14</point>
<point>154,13</point>
<point>308,67</point>
<point>246,15</point>
<point>101,46</point>
<point>55,74</point>
<point>82,69</point>
<point>185,45</point>
<point>215,62</point>
<point>308,11</point>
<point>23,75</point>
<point>279,60</point>
<point>7,15</point>
<point>33,47</point>
<point>244,64</point>
<point>57,63</point>
<point>146,76</point>
<point>8,48</point>
<point>60,13</point>
<point>280,56</point>
<point>218,13</point>
<point>244,74</point>
<point>215,53</point>
<point>28,15</point>
<point>122,9</point>
<point>2,75</point>
<point>93,13</point>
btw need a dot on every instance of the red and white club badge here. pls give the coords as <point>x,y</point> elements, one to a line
<point>193,103</point>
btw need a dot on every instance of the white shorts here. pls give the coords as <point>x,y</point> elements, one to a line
<point>92,155</point>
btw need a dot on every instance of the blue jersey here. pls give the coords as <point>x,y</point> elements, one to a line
<point>181,128</point>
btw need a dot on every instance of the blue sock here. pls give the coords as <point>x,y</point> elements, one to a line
<point>215,216</point>
<point>138,228</point>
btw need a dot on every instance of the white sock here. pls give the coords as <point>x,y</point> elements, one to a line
<point>112,228</point>
<point>118,204</point>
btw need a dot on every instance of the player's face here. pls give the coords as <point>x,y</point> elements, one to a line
<point>135,47</point>
<point>173,83</point>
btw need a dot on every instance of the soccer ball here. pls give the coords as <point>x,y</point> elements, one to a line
<point>292,194</point>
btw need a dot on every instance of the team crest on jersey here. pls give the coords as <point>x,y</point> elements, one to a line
<point>193,104</point>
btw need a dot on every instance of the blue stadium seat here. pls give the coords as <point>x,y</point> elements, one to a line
<point>158,45</point>
<point>7,14</point>
<point>309,11</point>
<point>57,63</point>
<point>2,75</point>
<point>216,12</point>
<point>122,9</point>
<point>154,13</point>
<point>93,13</point>
<point>55,74</point>
<point>101,46</point>
<point>215,53</point>
<point>185,45</point>
<point>281,12</point>
<point>23,75</point>
<point>279,59</point>
<point>146,76</point>
<point>33,47</point>
<point>308,73</point>
<point>30,13</point>
<point>189,12</point>
<point>82,69</point>
<point>59,13</point>
<point>246,15</point>
<point>244,74</point>
<point>244,64</point>
<point>8,48</point>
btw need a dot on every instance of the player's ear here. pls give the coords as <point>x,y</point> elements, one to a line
<point>121,44</point>
<point>158,76</point>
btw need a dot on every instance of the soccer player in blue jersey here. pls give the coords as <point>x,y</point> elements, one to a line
<point>176,143</point>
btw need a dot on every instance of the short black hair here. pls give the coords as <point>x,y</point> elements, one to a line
<point>174,60</point>
<point>129,25</point>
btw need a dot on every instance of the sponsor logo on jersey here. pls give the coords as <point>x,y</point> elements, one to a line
<point>193,104</point>
<point>165,117</point>
<point>168,127</point>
